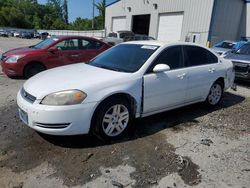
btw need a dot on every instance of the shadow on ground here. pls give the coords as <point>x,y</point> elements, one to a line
<point>77,159</point>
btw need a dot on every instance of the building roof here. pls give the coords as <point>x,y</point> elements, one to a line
<point>112,3</point>
<point>247,1</point>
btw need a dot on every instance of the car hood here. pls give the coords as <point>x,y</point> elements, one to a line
<point>78,76</point>
<point>238,57</point>
<point>23,50</point>
<point>220,50</point>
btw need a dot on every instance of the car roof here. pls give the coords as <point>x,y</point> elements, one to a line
<point>160,43</point>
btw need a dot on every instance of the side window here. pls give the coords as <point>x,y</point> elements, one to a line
<point>90,44</point>
<point>69,44</point>
<point>83,44</point>
<point>196,56</point>
<point>94,45</point>
<point>171,56</point>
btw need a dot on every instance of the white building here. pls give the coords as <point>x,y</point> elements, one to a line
<point>199,21</point>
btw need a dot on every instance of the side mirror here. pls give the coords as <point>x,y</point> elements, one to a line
<point>53,50</point>
<point>161,68</point>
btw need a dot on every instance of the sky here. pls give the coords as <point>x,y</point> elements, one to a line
<point>79,8</point>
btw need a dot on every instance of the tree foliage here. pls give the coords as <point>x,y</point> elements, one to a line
<point>52,15</point>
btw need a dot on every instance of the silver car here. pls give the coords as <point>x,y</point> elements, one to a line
<point>223,47</point>
<point>241,61</point>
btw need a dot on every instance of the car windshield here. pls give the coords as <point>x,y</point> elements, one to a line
<point>227,45</point>
<point>112,35</point>
<point>244,50</point>
<point>124,57</point>
<point>45,43</point>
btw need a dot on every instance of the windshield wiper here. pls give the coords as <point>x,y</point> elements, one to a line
<point>111,68</point>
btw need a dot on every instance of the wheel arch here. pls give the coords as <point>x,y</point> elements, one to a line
<point>221,80</point>
<point>122,95</point>
<point>33,62</point>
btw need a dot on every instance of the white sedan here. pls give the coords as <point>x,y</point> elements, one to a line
<point>130,80</point>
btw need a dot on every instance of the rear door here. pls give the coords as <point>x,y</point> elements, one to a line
<point>165,89</point>
<point>202,67</point>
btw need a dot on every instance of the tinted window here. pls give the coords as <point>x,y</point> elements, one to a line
<point>112,35</point>
<point>171,56</point>
<point>89,44</point>
<point>199,56</point>
<point>124,57</point>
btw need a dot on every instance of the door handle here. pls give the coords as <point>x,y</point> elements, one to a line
<point>74,55</point>
<point>181,76</point>
<point>211,70</point>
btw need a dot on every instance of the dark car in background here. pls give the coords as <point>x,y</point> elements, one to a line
<point>4,33</point>
<point>26,35</point>
<point>44,35</point>
<point>137,37</point>
<point>241,61</point>
<point>224,47</point>
<point>50,53</point>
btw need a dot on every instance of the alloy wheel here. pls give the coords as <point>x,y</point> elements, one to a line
<point>115,120</point>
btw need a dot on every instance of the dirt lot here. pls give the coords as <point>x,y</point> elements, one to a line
<point>191,146</point>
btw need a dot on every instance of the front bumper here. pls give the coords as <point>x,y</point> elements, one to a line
<point>242,76</point>
<point>11,69</point>
<point>57,120</point>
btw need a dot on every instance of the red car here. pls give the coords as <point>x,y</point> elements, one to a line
<point>50,53</point>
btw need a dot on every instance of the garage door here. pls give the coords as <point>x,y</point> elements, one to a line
<point>170,27</point>
<point>118,23</point>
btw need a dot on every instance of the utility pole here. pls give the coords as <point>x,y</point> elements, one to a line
<point>93,19</point>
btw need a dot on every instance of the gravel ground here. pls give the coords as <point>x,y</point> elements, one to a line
<point>192,146</point>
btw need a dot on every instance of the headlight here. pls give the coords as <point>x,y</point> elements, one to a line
<point>14,58</point>
<point>61,98</point>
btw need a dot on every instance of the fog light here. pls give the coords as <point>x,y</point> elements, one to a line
<point>11,70</point>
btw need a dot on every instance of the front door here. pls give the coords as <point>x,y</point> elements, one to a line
<point>68,52</point>
<point>166,89</point>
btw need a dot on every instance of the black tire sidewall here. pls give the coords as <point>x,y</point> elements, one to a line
<point>100,112</point>
<point>27,73</point>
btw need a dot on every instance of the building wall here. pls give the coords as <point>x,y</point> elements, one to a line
<point>197,15</point>
<point>248,19</point>
<point>227,21</point>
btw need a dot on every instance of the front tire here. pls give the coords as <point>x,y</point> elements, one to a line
<point>112,119</point>
<point>215,94</point>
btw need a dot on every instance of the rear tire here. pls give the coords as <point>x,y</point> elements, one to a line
<point>215,94</point>
<point>33,69</point>
<point>112,119</point>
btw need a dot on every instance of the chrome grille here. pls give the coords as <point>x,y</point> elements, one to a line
<point>240,67</point>
<point>28,97</point>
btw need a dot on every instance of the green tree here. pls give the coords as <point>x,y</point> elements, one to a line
<point>65,11</point>
<point>101,6</point>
